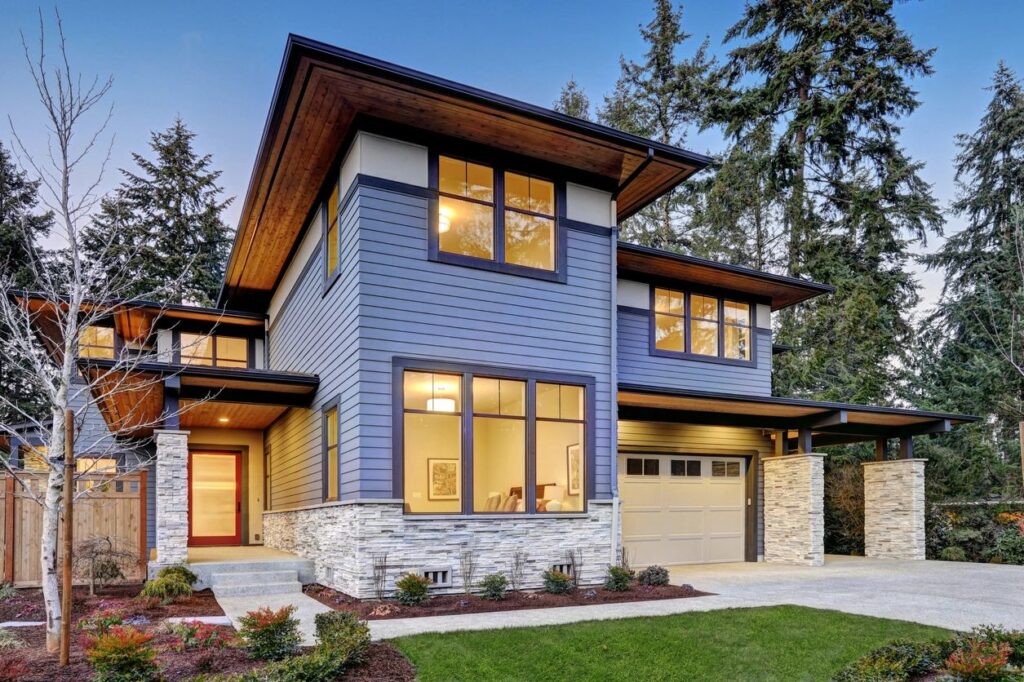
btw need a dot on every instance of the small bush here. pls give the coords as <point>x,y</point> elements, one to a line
<point>13,668</point>
<point>344,634</point>
<point>7,590</point>
<point>1010,546</point>
<point>1013,638</point>
<point>953,554</point>
<point>978,661</point>
<point>270,635</point>
<point>319,665</point>
<point>101,621</point>
<point>494,586</point>
<point>193,634</point>
<point>9,641</point>
<point>179,570</point>
<point>556,582</point>
<point>122,654</point>
<point>653,575</point>
<point>618,579</point>
<point>411,589</point>
<point>166,589</point>
<point>895,662</point>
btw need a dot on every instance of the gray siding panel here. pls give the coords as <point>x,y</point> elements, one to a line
<point>638,366</point>
<point>668,438</point>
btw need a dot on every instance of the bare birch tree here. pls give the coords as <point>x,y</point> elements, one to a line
<point>46,327</point>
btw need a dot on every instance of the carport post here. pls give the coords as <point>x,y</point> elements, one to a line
<point>881,450</point>
<point>906,447</point>
<point>803,442</point>
<point>781,443</point>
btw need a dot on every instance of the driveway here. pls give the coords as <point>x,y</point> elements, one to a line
<point>944,593</point>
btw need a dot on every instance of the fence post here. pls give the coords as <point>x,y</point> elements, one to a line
<point>143,522</point>
<point>9,529</point>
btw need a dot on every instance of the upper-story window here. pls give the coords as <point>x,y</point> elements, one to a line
<point>699,324</point>
<point>96,342</point>
<point>497,216</point>
<point>331,246</point>
<point>214,350</point>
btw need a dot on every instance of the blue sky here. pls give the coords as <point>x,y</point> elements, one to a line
<point>214,63</point>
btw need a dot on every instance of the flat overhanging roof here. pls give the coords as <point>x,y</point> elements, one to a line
<point>831,423</point>
<point>324,92</point>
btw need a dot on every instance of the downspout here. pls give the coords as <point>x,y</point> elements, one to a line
<point>613,560</point>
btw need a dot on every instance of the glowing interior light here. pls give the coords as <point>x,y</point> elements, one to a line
<point>441,405</point>
<point>444,222</point>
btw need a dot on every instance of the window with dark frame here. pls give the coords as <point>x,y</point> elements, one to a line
<point>517,425</point>
<point>214,350</point>
<point>496,215</point>
<point>331,245</point>
<point>330,417</point>
<point>96,342</point>
<point>697,324</point>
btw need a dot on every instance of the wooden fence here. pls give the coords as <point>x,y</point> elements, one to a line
<point>114,508</point>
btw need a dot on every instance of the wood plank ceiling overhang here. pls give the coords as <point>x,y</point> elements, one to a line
<point>320,92</point>
<point>647,264</point>
<point>132,401</point>
<point>831,423</point>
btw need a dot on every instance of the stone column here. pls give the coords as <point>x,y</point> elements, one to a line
<point>894,509</point>
<point>171,497</point>
<point>794,509</point>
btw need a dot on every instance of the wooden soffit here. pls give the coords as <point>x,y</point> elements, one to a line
<point>321,90</point>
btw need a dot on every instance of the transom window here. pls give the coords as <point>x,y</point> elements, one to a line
<point>471,441</point>
<point>699,324</point>
<point>96,342</point>
<point>214,350</point>
<point>495,215</point>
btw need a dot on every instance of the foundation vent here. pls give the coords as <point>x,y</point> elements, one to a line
<point>562,568</point>
<point>438,577</point>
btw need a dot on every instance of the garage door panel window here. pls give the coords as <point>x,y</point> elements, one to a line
<point>683,467</point>
<point>643,467</point>
<point>514,426</point>
<point>720,469</point>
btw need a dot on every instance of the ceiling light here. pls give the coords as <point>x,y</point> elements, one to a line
<point>223,420</point>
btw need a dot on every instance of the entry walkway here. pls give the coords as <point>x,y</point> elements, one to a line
<point>947,594</point>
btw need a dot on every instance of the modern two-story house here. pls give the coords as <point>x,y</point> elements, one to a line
<point>431,340</point>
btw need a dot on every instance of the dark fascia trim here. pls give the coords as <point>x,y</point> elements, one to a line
<point>780,348</point>
<point>683,285</point>
<point>588,228</point>
<point>400,364</point>
<point>795,402</point>
<point>144,304</point>
<point>687,317</point>
<point>813,288</point>
<point>631,310</point>
<point>333,403</point>
<point>309,381</point>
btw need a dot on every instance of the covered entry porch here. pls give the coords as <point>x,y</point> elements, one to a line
<point>707,477</point>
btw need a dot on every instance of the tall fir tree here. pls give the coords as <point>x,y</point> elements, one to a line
<point>661,98</point>
<point>166,218</point>
<point>962,365</point>
<point>22,227</point>
<point>573,101</point>
<point>830,78</point>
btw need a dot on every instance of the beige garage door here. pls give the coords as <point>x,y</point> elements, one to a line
<point>682,509</point>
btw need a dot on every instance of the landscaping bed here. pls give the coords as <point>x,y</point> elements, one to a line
<point>450,604</point>
<point>27,604</point>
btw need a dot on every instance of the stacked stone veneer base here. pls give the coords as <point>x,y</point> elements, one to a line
<point>171,499</point>
<point>342,539</point>
<point>894,509</point>
<point>794,509</point>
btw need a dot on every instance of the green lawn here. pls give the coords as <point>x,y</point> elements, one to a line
<point>772,643</point>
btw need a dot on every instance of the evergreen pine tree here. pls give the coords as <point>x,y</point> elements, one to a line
<point>21,229</point>
<point>167,219</point>
<point>661,98</point>
<point>573,101</point>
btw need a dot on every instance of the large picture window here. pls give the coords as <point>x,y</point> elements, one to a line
<point>494,216</point>
<point>214,350</point>
<point>518,445</point>
<point>701,325</point>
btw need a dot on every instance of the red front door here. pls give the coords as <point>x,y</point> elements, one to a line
<point>214,498</point>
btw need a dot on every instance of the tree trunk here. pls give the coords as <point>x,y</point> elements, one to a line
<point>48,555</point>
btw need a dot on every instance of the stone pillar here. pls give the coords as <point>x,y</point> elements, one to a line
<point>894,509</point>
<point>171,497</point>
<point>794,509</point>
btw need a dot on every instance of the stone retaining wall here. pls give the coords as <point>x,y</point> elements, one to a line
<point>794,509</point>
<point>343,538</point>
<point>894,509</point>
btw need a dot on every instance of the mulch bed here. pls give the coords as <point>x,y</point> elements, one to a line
<point>450,604</point>
<point>27,604</point>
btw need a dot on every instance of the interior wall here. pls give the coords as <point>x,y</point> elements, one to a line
<point>250,443</point>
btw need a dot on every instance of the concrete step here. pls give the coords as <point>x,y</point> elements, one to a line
<point>253,577</point>
<point>257,589</point>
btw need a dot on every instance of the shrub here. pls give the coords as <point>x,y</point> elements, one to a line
<point>953,554</point>
<point>343,633</point>
<point>618,579</point>
<point>193,634</point>
<point>7,590</point>
<point>653,575</point>
<point>897,661</point>
<point>179,570</point>
<point>13,668</point>
<point>9,641</point>
<point>494,586</point>
<point>1013,638</point>
<point>101,621</point>
<point>122,654</point>
<point>319,665</point>
<point>556,582</point>
<point>411,589</point>
<point>1010,546</point>
<point>167,589</point>
<point>978,660</point>
<point>270,635</point>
